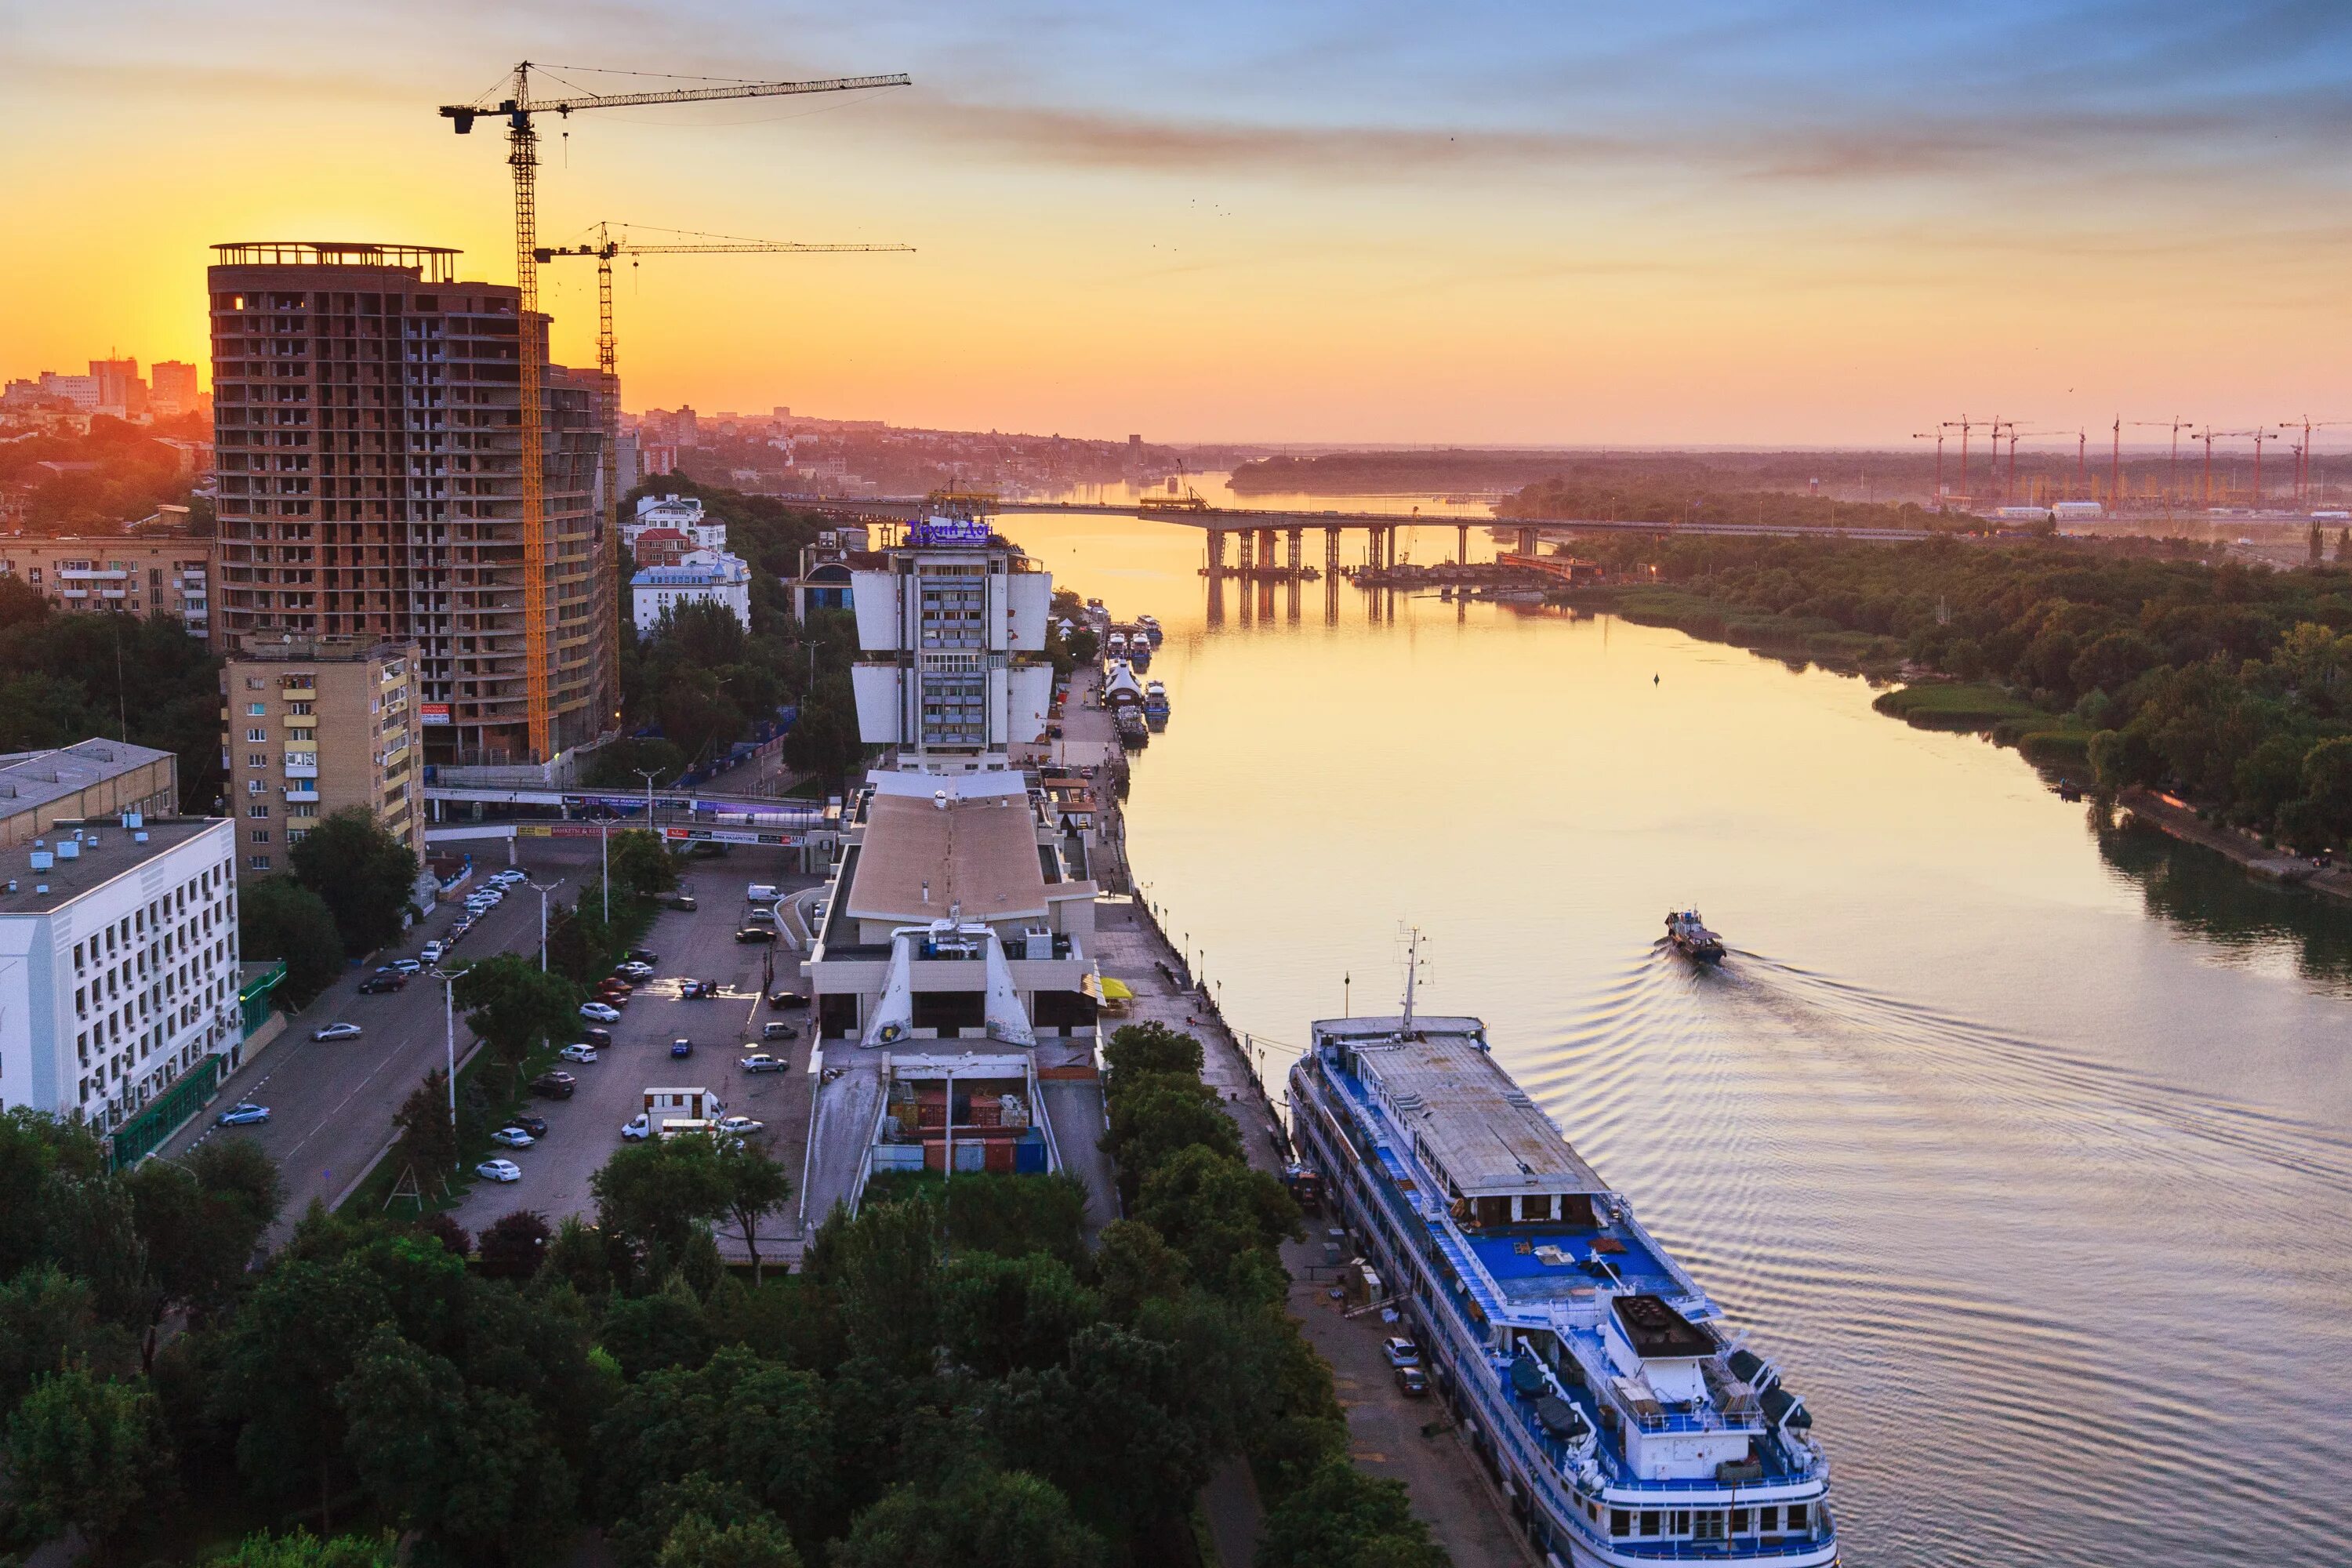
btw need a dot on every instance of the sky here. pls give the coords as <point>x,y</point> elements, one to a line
<point>1771,222</point>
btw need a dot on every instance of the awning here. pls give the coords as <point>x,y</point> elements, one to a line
<point>1103,988</point>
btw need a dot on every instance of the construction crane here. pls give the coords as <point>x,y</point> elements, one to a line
<point>2260,437</point>
<point>1963,426</point>
<point>2209,435</point>
<point>519,108</point>
<point>604,249</point>
<point>2172,473</point>
<point>1937,435</point>
<point>2303,453</point>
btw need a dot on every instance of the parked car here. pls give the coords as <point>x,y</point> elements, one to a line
<point>681,1046</point>
<point>377,985</point>
<point>405,965</point>
<point>598,1012</point>
<point>756,933</point>
<point>760,1061</point>
<point>1412,1381</point>
<point>741,1126</point>
<point>336,1032</point>
<point>600,1038</point>
<point>500,1170</point>
<point>243,1114</point>
<point>554,1086</point>
<point>634,971</point>
<point>432,952</point>
<point>639,955</point>
<point>512,1138</point>
<point>778,1030</point>
<point>683,902</point>
<point>698,989</point>
<point>616,986</point>
<point>578,1052</point>
<point>534,1125</point>
<point>761,917</point>
<point>1401,1352</point>
<point>507,877</point>
<point>638,1128</point>
<point>786,1000</point>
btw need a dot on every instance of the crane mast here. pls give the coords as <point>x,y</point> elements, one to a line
<point>522,159</point>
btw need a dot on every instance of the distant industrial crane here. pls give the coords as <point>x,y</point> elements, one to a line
<point>1963,425</point>
<point>2172,473</point>
<point>2209,435</point>
<point>1935,436</point>
<point>518,107</point>
<point>605,248</point>
<point>2302,455</point>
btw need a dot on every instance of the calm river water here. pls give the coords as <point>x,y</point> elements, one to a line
<point>2025,1146</point>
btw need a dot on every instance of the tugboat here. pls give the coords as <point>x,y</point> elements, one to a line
<point>1692,938</point>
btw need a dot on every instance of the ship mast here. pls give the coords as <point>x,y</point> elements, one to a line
<point>1412,972</point>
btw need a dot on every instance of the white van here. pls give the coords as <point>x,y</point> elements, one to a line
<point>761,893</point>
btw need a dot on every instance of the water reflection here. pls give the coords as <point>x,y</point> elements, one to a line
<point>2249,920</point>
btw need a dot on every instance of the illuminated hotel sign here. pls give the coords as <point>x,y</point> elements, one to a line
<point>949,531</point>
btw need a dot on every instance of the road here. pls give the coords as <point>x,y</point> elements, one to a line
<point>331,1102</point>
<point>582,1131</point>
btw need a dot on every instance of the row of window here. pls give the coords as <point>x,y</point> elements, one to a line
<point>1705,1524</point>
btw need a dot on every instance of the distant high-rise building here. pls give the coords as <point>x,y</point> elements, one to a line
<point>121,392</point>
<point>172,387</point>
<point>81,391</point>
<point>367,405</point>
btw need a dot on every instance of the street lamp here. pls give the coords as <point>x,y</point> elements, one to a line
<point>542,892</point>
<point>449,1048</point>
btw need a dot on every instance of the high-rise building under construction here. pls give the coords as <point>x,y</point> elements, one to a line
<point>367,415</point>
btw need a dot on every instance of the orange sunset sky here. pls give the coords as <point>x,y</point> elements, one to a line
<point>1758,223</point>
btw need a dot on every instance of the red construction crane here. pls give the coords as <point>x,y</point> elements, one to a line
<point>1963,426</point>
<point>2209,435</point>
<point>2172,474</point>
<point>518,107</point>
<point>1937,437</point>
<point>2116,468</point>
<point>2303,453</point>
<point>2260,437</point>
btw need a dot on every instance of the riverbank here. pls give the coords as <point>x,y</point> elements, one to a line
<point>2175,816</point>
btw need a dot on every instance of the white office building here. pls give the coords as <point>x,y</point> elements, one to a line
<point>118,965</point>
<point>700,578</point>
<point>683,513</point>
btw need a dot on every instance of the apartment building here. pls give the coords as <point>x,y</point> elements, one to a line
<point>366,418</point>
<point>119,971</point>
<point>311,727</point>
<point>157,574</point>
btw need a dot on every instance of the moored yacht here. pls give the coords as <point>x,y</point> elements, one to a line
<point>1631,1424</point>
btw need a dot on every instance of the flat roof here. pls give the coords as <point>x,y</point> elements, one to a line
<point>1482,1129</point>
<point>978,853</point>
<point>29,779</point>
<point>115,854</point>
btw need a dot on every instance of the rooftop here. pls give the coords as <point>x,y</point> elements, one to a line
<point>920,859</point>
<point>693,573</point>
<point>29,779</point>
<point>1473,1123</point>
<point>115,853</point>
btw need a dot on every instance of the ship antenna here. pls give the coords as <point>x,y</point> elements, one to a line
<point>1412,970</point>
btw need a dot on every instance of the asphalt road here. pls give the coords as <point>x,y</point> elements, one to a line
<point>582,1131</point>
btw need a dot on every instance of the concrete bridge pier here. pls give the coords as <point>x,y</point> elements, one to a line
<point>1217,552</point>
<point>1248,559</point>
<point>1331,553</point>
<point>1528,541</point>
<point>1461,544</point>
<point>1265,548</point>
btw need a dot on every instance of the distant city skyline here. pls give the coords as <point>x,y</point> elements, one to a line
<point>1789,224</point>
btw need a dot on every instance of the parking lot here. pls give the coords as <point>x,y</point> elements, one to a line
<point>583,1131</point>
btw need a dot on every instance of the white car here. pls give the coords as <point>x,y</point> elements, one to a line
<point>405,965</point>
<point>336,1032</point>
<point>632,970</point>
<point>500,1170</point>
<point>594,1012</point>
<point>741,1126</point>
<point>506,877</point>
<point>512,1137</point>
<point>431,952</point>
<point>638,1128</point>
<point>578,1053</point>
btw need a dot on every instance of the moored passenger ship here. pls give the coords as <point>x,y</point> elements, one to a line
<point>1628,1425</point>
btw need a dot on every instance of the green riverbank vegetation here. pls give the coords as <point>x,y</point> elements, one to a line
<point>2136,662</point>
<point>953,1376</point>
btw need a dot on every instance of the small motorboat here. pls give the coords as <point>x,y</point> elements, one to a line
<point>1692,938</point>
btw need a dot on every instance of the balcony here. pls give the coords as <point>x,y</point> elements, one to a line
<point>298,794</point>
<point>301,765</point>
<point>90,574</point>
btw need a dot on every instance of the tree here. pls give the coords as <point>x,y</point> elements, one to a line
<point>34,1149</point>
<point>299,1549</point>
<point>428,1139</point>
<point>995,1520</point>
<point>2326,809</point>
<point>513,1005</point>
<point>657,1196</point>
<point>48,1320</point>
<point>642,864</point>
<point>284,1355</point>
<point>1135,1050</point>
<point>364,874</point>
<point>278,917</point>
<point>823,740</point>
<point>756,1186</point>
<point>1221,1215</point>
<point>515,1244</point>
<point>581,946</point>
<point>1134,1266</point>
<point>1000,1313</point>
<point>881,1267</point>
<point>736,1422</point>
<point>201,1218</point>
<point>757,1542</point>
<point>1343,1518</point>
<point>616,765</point>
<point>87,1454</point>
<point>1157,1117</point>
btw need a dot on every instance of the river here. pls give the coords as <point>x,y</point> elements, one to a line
<point>2023,1145</point>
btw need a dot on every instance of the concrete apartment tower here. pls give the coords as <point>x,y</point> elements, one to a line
<point>367,413</point>
<point>310,728</point>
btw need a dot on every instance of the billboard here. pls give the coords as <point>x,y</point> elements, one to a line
<point>433,712</point>
<point>949,531</point>
<point>728,836</point>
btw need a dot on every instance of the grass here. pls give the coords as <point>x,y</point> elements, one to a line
<point>1961,705</point>
<point>1809,639</point>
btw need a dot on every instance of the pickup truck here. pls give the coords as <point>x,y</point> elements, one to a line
<point>760,1061</point>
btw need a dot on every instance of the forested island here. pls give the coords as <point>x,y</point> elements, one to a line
<point>2138,663</point>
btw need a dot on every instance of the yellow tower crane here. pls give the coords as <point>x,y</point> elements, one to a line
<point>519,108</point>
<point>605,248</point>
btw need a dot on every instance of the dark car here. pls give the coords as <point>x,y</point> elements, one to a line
<point>683,902</point>
<point>681,1046</point>
<point>600,1038</point>
<point>639,955</point>
<point>784,1001</point>
<point>377,985</point>
<point>699,989</point>
<point>756,933</point>
<point>554,1086</point>
<point>534,1125</point>
<point>1412,1381</point>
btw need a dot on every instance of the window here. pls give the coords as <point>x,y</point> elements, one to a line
<point>1621,1521</point>
<point>257,759</point>
<point>1740,1521</point>
<point>253,786</point>
<point>1767,1519</point>
<point>1648,1521</point>
<point>1796,1516</point>
<point>260,809</point>
<point>255,709</point>
<point>1706,1524</point>
<point>256,736</point>
<point>257,862</point>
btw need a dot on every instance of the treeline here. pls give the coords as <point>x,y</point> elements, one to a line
<point>2227,684</point>
<point>135,473</point>
<point>953,1377</point>
<point>707,681</point>
<point>144,679</point>
<point>1607,493</point>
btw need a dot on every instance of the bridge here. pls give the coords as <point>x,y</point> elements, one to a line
<point>1255,528</point>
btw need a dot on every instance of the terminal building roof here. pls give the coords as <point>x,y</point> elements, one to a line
<point>920,858</point>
